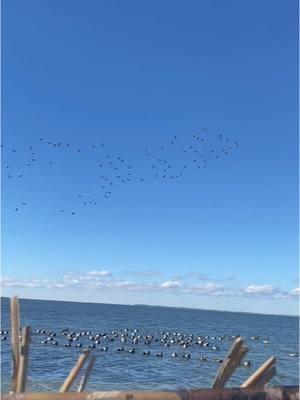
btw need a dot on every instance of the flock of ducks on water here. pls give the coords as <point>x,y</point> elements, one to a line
<point>169,162</point>
<point>128,341</point>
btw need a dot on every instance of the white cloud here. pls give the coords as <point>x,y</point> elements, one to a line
<point>262,290</point>
<point>295,292</point>
<point>59,285</point>
<point>171,285</point>
<point>208,289</point>
<point>5,280</point>
<point>24,283</point>
<point>99,273</point>
<point>103,280</point>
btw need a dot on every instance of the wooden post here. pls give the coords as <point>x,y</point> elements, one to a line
<point>266,393</point>
<point>259,374</point>
<point>86,376</point>
<point>73,373</point>
<point>22,371</point>
<point>232,360</point>
<point>268,375</point>
<point>15,343</point>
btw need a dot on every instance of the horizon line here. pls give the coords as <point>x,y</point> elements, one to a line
<point>157,305</point>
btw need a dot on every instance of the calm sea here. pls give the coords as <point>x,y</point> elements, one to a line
<point>50,364</point>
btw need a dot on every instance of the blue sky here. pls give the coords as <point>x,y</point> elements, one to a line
<point>131,76</point>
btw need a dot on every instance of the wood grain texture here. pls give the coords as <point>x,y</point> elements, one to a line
<point>23,363</point>
<point>15,343</point>
<point>267,393</point>
<point>259,374</point>
<point>231,361</point>
<point>74,372</point>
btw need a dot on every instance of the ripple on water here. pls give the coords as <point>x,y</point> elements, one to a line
<point>49,365</point>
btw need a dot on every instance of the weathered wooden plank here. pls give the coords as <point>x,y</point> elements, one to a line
<point>232,360</point>
<point>22,371</point>
<point>15,343</point>
<point>267,393</point>
<point>74,371</point>
<point>258,375</point>
<point>86,375</point>
<point>268,375</point>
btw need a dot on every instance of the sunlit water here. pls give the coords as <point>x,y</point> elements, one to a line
<point>49,365</point>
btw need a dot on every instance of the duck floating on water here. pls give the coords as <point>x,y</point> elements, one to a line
<point>293,354</point>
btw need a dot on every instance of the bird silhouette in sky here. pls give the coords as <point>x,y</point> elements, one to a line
<point>179,153</point>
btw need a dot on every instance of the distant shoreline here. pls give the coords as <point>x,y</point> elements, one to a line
<point>156,306</point>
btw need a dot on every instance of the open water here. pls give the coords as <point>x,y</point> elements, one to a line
<point>50,364</point>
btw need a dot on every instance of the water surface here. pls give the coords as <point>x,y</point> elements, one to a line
<point>49,365</point>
